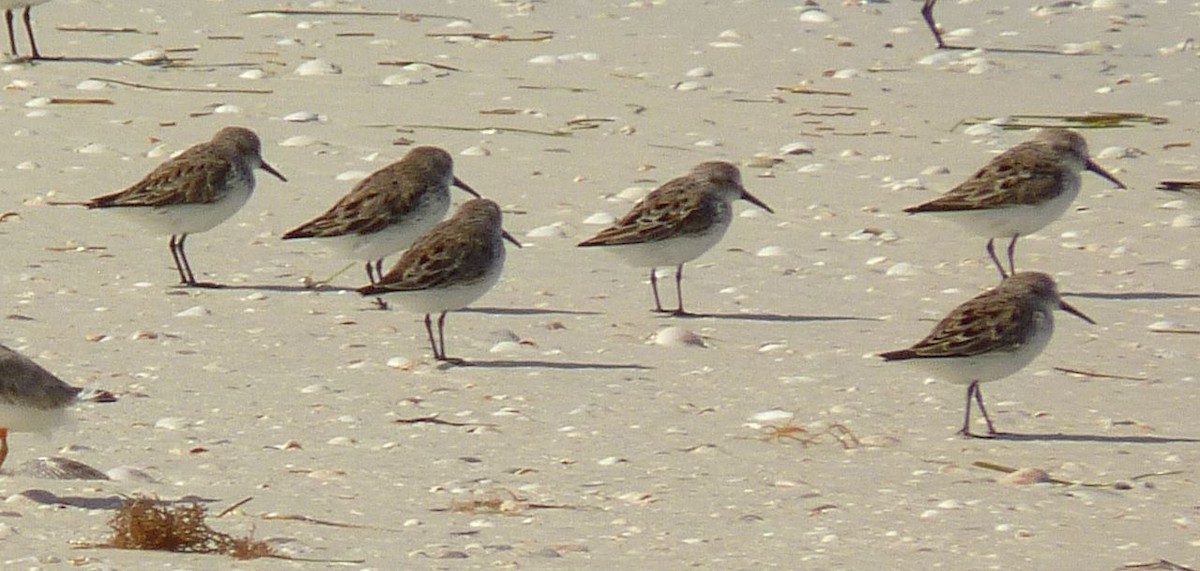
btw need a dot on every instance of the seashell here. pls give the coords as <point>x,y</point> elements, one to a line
<point>600,219</point>
<point>773,415</point>
<point>227,109</point>
<point>475,152</point>
<point>91,85</point>
<point>150,57</point>
<point>194,311</point>
<point>549,231</point>
<point>299,141</point>
<point>317,67</point>
<point>172,423</point>
<point>91,149</point>
<point>1185,221</point>
<point>351,175</point>
<point>770,252</point>
<point>401,79</point>
<point>1025,477</point>
<point>633,193</point>
<point>902,269</point>
<point>677,337</point>
<point>543,60</point>
<point>815,16</point>
<point>130,474</point>
<point>253,74</point>
<point>58,468</point>
<point>699,72</point>
<point>797,148</point>
<point>983,130</point>
<point>302,117</point>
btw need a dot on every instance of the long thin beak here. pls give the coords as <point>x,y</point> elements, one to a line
<point>464,186</point>
<point>1071,309</point>
<point>271,170</point>
<point>1092,166</point>
<point>755,201</point>
<point>510,238</point>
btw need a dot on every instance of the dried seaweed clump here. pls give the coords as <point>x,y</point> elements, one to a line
<point>149,524</point>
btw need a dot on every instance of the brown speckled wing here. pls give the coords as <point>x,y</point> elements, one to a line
<point>448,254</point>
<point>373,204</point>
<point>1025,174</point>
<point>197,176</point>
<point>674,209</point>
<point>984,324</point>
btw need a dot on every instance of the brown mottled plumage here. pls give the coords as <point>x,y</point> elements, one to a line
<point>991,336</point>
<point>195,191</point>
<point>677,222</point>
<point>448,268</point>
<point>387,211</point>
<point>1020,191</point>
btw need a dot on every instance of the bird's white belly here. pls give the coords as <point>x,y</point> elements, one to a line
<point>448,298</point>
<point>32,419</point>
<point>393,238</point>
<point>671,251</point>
<point>990,366</point>
<point>188,218</point>
<point>1018,219</point>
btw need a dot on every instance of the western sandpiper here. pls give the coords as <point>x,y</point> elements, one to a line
<point>990,337</point>
<point>194,192</point>
<point>32,399</point>
<point>387,211</point>
<point>8,6</point>
<point>677,222</point>
<point>449,268</point>
<point>1020,191</point>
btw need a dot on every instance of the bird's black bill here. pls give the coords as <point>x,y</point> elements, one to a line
<point>272,170</point>
<point>464,186</point>
<point>1071,309</point>
<point>1092,166</point>
<point>510,238</point>
<point>755,201</point>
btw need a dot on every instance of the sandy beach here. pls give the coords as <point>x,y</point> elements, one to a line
<point>575,440</point>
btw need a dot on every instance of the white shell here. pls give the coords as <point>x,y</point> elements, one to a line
<point>318,67</point>
<point>677,337</point>
<point>301,117</point>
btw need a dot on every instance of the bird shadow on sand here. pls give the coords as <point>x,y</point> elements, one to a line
<point>277,288</point>
<point>1090,438</point>
<point>1027,51</point>
<point>48,498</point>
<point>73,59</point>
<point>769,317</point>
<point>1132,295</point>
<point>560,365</point>
<point>526,311</point>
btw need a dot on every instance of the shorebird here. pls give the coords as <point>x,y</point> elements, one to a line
<point>449,268</point>
<point>387,211</point>
<point>32,399</point>
<point>990,337</point>
<point>1020,191</point>
<point>193,192</point>
<point>677,222</point>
